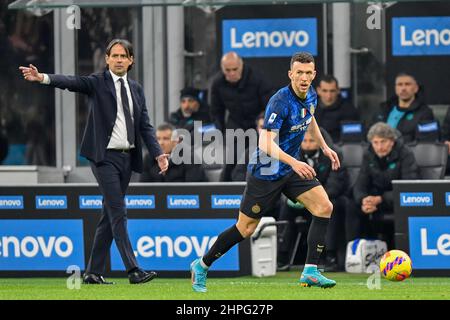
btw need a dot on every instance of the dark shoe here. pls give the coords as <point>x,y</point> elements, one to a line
<point>90,278</point>
<point>141,276</point>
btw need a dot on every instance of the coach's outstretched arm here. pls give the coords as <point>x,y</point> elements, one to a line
<point>268,145</point>
<point>82,84</point>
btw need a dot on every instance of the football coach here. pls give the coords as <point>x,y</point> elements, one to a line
<point>117,120</point>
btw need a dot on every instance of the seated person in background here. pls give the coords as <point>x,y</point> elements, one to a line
<point>332,109</point>
<point>335,184</point>
<point>446,136</point>
<point>192,108</point>
<point>385,160</point>
<point>168,139</point>
<point>406,109</point>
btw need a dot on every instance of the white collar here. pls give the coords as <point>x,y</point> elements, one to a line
<point>116,78</point>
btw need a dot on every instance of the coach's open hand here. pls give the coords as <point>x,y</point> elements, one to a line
<point>31,73</point>
<point>163,162</point>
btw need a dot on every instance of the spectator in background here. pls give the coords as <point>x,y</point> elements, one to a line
<point>446,136</point>
<point>332,109</point>
<point>386,159</point>
<point>406,109</point>
<point>192,108</point>
<point>335,184</point>
<point>242,92</point>
<point>168,139</point>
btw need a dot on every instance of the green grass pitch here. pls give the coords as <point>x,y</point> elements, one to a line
<point>283,286</point>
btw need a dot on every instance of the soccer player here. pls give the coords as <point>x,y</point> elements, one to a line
<point>289,114</point>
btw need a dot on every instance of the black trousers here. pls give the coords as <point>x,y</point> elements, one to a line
<point>113,176</point>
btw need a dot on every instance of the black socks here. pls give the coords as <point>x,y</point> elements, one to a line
<point>224,242</point>
<point>316,239</point>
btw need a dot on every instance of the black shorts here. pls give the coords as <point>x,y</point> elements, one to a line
<point>261,195</point>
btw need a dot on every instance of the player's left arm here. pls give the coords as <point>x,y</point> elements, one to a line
<point>314,130</point>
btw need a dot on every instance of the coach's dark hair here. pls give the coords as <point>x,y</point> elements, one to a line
<point>165,126</point>
<point>302,57</point>
<point>125,44</point>
<point>328,78</point>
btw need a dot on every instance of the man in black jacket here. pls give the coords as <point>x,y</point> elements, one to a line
<point>335,184</point>
<point>406,109</point>
<point>192,108</point>
<point>178,170</point>
<point>332,110</point>
<point>385,160</point>
<point>117,121</point>
<point>242,92</point>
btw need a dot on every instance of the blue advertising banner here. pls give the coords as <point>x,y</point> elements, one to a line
<point>269,37</point>
<point>41,244</point>
<point>172,244</point>
<point>420,36</point>
<point>429,242</point>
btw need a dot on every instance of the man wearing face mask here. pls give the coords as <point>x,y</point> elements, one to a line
<point>385,160</point>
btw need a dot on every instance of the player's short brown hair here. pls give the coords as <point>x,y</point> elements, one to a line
<point>302,57</point>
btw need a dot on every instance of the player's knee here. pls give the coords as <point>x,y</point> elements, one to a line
<point>324,209</point>
<point>247,230</point>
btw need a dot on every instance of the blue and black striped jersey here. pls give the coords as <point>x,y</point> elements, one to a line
<point>290,116</point>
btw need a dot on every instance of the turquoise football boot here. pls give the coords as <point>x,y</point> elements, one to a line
<point>198,276</point>
<point>311,277</point>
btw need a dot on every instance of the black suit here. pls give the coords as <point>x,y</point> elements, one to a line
<point>112,169</point>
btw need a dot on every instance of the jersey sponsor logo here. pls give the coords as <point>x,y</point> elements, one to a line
<point>269,37</point>
<point>301,126</point>
<point>421,36</point>
<point>272,118</point>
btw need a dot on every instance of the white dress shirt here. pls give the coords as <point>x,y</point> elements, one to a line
<point>119,138</point>
<point>119,134</point>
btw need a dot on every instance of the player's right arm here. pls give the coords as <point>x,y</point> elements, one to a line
<point>72,83</point>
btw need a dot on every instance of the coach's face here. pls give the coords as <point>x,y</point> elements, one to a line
<point>118,60</point>
<point>382,146</point>
<point>302,75</point>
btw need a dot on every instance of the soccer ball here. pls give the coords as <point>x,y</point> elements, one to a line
<point>395,265</point>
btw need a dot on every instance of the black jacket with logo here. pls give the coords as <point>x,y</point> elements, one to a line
<point>376,175</point>
<point>330,118</point>
<point>244,100</point>
<point>417,112</point>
